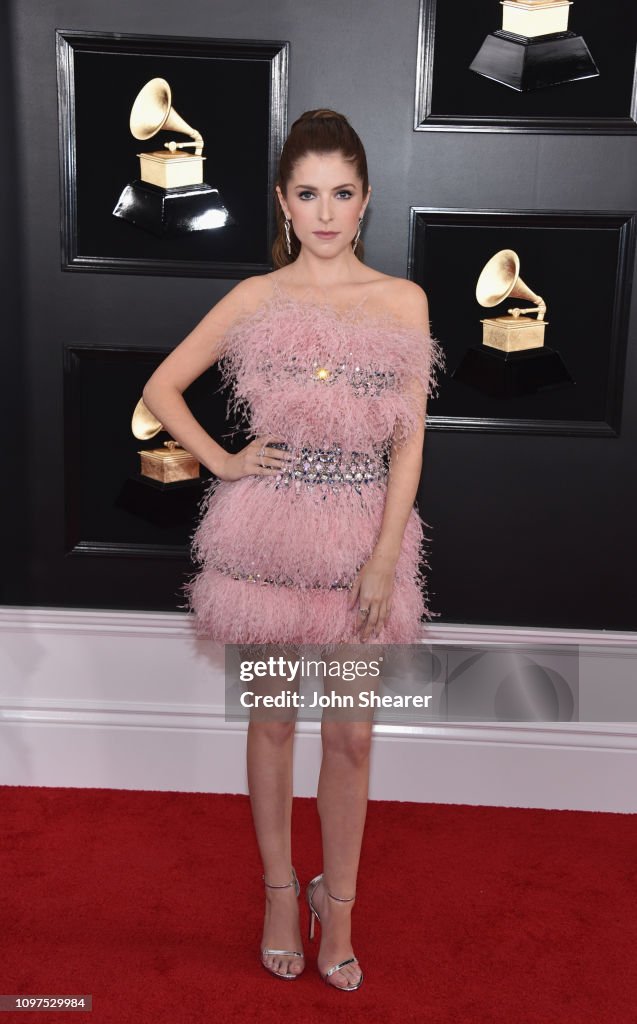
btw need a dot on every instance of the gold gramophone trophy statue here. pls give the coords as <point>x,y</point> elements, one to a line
<point>166,489</point>
<point>513,359</point>
<point>170,198</point>
<point>515,332</point>
<point>169,464</point>
<point>534,48</point>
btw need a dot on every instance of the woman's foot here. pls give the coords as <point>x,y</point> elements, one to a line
<point>281,931</point>
<point>336,938</point>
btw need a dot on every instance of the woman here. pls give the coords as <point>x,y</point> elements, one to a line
<point>331,361</point>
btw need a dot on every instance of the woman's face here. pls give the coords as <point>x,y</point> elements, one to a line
<point>324,201</point>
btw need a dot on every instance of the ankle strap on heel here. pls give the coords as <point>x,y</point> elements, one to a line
<point>285,885</point>
<point>340,899</point>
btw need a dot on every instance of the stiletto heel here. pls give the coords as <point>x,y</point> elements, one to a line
<point>282,952</point>
<point>314,915</point>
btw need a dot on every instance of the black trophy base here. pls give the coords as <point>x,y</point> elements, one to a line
<point>524,63</point>
<point>167,505</point>
<point>512,374</point>
<point>168,212</point>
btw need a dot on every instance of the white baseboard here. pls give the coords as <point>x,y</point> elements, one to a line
<point>131,700</point>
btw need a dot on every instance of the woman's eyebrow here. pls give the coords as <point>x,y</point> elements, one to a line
<point>348,184</point>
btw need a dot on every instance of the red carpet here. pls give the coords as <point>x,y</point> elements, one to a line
<point>152,902</point>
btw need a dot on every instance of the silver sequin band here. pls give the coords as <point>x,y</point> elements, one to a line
<point>257,577</point>
<point>364,380</point>
<point>331,466</point>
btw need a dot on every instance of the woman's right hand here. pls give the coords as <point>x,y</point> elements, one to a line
<point>256,459</point>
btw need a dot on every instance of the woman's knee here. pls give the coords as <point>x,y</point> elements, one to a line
<point>349,739</point>
<point>278,733</point>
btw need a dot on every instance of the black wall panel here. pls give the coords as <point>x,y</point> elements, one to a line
<point>525,530</point>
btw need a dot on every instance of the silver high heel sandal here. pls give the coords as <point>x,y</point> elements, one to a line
<point>314,914</point>
<point>282,952</point>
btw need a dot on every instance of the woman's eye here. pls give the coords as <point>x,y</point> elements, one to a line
<point>344,192</point>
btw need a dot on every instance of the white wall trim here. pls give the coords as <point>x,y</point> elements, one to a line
<point>166,624</point>
<point>104,714</point>
<point>134,700</point>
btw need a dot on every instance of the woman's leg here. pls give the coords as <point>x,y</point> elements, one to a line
<point>269,762</point>
<point>342,806</point>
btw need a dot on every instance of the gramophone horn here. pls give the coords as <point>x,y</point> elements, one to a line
<point>500,279</point>
<point>144,425</point>
<point>152,111</point>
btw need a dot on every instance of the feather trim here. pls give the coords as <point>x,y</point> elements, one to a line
<point>271,357</point>
<point>312,375</point>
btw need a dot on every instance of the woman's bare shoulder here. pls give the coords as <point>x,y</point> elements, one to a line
<point>249,294</point>
<point>404,298</point>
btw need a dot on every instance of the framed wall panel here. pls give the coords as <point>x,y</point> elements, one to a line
<point>452,97</point>
<point>233,92</point>
<point>109,510</point>
<point>581,263</point>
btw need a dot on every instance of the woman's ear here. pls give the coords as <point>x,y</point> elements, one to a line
<point>282,201</point>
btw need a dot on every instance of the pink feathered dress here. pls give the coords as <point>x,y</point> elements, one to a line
<point>278,554</point>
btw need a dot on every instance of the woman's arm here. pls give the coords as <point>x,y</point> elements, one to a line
<point>404,477</point>
<point>374,586</point>
<point>163,392</point>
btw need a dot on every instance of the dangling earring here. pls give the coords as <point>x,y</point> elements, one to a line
<point>288,240</point>
<point>357,235</point>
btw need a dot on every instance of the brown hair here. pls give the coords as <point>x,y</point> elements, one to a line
<point>315,131</point>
